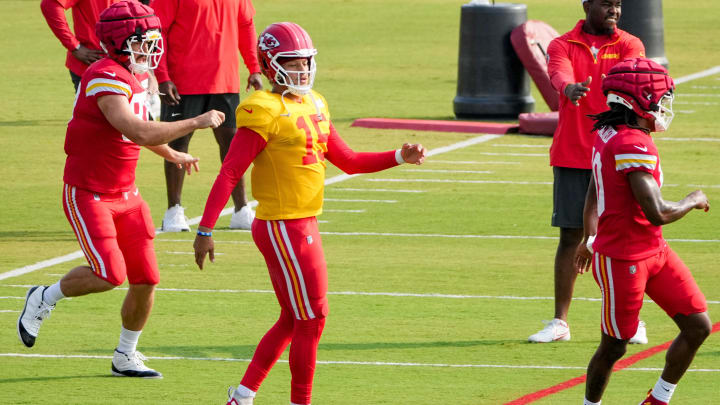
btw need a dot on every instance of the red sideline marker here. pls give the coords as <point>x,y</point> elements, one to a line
<point>476,127</point>
<point>621,364</point>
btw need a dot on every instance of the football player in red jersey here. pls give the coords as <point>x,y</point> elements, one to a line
<point>104,207</point>
<point>288,135</point>
<point>623,214</point>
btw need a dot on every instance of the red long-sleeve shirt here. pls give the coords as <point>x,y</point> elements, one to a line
<point>85,13</point>
<point>247,144</point>
<point>572,58</point>
<point>202,38</point>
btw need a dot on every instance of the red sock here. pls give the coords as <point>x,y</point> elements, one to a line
<point>268,351</point>
<point>303,354</point>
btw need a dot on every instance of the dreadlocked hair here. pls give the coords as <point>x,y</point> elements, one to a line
<point>618,114</point>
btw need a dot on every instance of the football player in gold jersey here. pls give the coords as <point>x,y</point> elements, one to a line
<point>288,135</point>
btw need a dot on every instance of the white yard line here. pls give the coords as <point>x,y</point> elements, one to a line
<point>185,253</point>
<point>462,181</point>
<point>682,95</point>
<point>368,294</point>
<point>360,200</point>
<point>471,162</point>
<point>696,102</point>
<point>448,171</point>
<point>500,145</point>
<point>227,211</point>
<point>512,154</point>
<point>686,139</point>
<point>229,242</point>
<point>344,362</point>
<point>374,190</point>
<point>699,75</point>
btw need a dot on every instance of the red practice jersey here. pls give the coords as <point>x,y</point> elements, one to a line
<point>623,230</point>
<point>85,13</point>
<point>202,39</point>
<point>99,157</point>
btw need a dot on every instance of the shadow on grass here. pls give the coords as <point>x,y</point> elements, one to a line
<point>246,351</point>
<point>235,352</point>
<point>37,236</point>
<point>412,345</point>
<point>57,378</point>
<point>33,123</point>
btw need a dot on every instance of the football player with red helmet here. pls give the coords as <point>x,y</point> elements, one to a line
<point>108,216</point>
<point>288,135</point>
<point>624,211</point>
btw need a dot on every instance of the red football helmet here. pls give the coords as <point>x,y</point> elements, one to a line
<point>643,86</point>
<point>286,40</point>
<point>128,22</point>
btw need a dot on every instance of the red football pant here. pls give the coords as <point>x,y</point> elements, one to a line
<point>115,232</point>
<point>296,263</point>
<point>663,276</point>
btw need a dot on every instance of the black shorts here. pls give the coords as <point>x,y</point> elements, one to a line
<point>569,189</point>
<point>192,105</point>
<point>76,80</point>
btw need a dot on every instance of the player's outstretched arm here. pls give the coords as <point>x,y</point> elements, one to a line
<point>117,111</point>
<point>656,209</point>
<point>181,159</point>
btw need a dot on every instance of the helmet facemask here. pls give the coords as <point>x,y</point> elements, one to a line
<point>150,46</point>
<point>664,114</point>
<point>291,78</point>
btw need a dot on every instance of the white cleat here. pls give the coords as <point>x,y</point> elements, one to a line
<point>131,365</point>
<point>556,330</point>
<point>34,313</point>
<point>242,219</point>
<point>175,220</point>
<point>235,399</point>
<point>640,337</point>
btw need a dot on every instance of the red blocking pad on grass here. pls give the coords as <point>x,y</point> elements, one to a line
<point>436,125</point>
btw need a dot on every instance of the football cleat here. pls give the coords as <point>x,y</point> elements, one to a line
<point>175,220</point>
<point>640,337</point>
<point>34,313</point>
<point>235,399</point>
<point>242,219</point>
<point>131,365</point>
<point>554,331</point>
<point>651,400</point>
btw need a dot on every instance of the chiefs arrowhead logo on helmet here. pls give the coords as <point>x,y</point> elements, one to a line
<point>267,42</point>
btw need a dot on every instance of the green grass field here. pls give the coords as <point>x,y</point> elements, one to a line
<point>433,292</point>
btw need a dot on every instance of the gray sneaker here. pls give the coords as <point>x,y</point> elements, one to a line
<point>34,313</point>
<point>131,365</point>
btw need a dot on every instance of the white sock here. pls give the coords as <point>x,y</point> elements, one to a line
<point>128,340</point>
<point>587,402</point>
<point>663,390</point>
<point>244,391</point>
<point>53,294</point>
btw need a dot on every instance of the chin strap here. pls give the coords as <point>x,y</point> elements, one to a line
<point>282,98</point>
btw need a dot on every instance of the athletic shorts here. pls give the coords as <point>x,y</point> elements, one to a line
<point>569,189</point>
<point>296,263</point>
<point>192,105</point>
<point>116,234</point>
<point>665,279</point>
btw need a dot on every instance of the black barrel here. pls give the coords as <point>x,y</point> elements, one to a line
<point>492,82</point>
<point>644,19</point>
